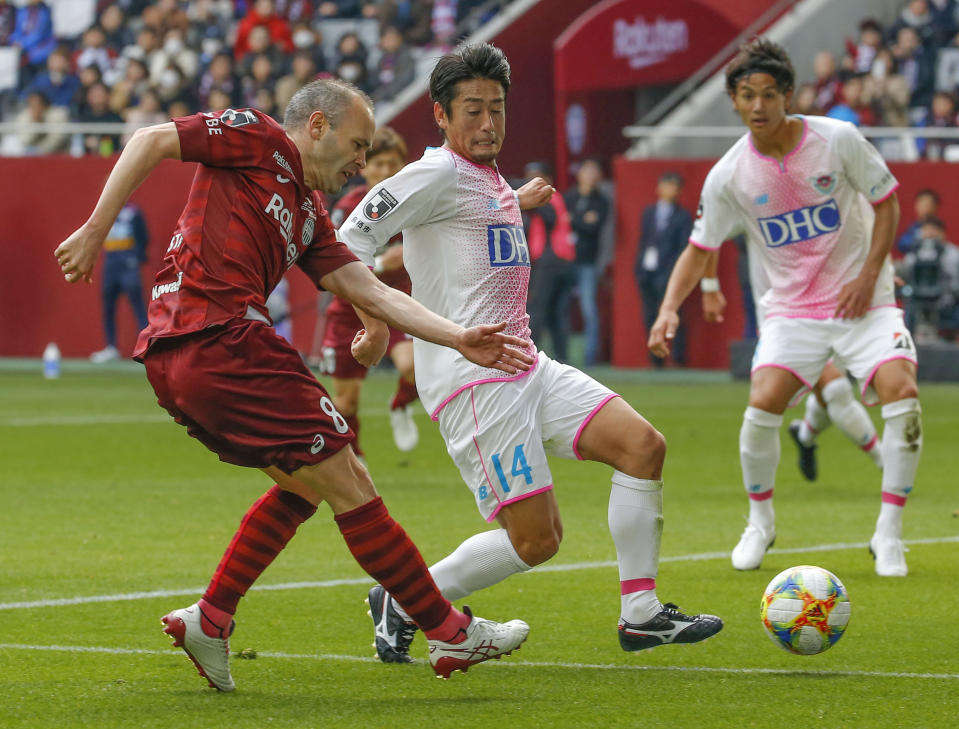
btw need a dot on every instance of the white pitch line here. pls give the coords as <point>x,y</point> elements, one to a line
<point>700,557</point>
<point>503,664</point>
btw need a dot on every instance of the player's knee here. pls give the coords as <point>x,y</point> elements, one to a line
<point>537,548</point>
<point>647,452</point>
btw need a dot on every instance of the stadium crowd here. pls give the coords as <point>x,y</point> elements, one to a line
<point>139,62</point>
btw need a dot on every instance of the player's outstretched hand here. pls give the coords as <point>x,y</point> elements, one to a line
<point>534,193</point>
<point>78,254</point>
<point>714,304</point>
<point>855,298</point>
<point>486,345</point>
<point>663,333</point>
<point>368,349</point>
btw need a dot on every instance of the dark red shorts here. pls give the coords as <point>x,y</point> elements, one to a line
<point>244,392</point>
<point>341,328</point>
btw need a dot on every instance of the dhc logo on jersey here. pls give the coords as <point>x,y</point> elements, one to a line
<point>507,246</point>
<point>799,225</point>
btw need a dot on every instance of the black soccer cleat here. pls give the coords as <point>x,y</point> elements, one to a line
<point>669,626</point>
<point>393,634</point>
<point>807,454</point>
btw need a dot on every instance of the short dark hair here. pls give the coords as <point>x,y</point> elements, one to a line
<point>931,193</point>
<point>332,96</point>
<point>387,139</point>
<point>761,55</point>
<point>479,61</point>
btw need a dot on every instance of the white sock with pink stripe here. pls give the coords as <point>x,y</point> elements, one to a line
<point>851,417</point>
<point>901,447</point>
<point>759,456</point>
<point>636,524</point>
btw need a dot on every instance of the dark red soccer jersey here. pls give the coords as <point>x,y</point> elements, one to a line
<point>397,278</point>
<point>248,218</point>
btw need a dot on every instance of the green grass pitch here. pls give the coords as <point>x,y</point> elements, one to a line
<point>104,497</point>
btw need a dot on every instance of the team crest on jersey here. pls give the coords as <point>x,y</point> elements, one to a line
<point>824,184</point>
<point>307,235</point>
<point>241,118</point>
<point>379,206</point>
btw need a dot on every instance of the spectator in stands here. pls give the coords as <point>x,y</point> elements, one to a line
<point>804,101</point>
<point>925,205</point>
<point>888,91</point>
<point>38,110</point>
<point>396,67</point>
<point>827,84</point>
<point>917,15</point>
<point>170,15</point>
<point>853,107</point>
<point>449,20</point>
<point>94,51</point>
<point>916,64</point>
<point>218,77</point>
<point>931,272</point>
<point>149,110</point>
<point>146,46</point>
<point>351,60</point>
<point>941,114</point>
<point>302,71</point>
<point>868,45</point>
<point>296,11</point>
<point>588,212</point>
<point>552,276</point>
<point>33,34</point>
<point>261,76</point>
<point>88,75</point>
<point>340,8</point>
<point>412,17</point>
<point>309,40</point>
<point>217,101</point>
<point>260,44</point>
<point>58,84</point>
<point>127,91</point>
<point>117,31</point>
<point>175,51</point>
<point>664,233</point>
<point>263,12</point>
<point>172,86</point>
<point>97,110</point>
<point>8,21</point>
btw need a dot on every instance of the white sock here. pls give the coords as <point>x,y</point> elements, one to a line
<point>815,420</point>
<point>759,455</point>
<point>851,418</point>
<point>482,560</point>
<point>636,523</point>
<point>901,447</point>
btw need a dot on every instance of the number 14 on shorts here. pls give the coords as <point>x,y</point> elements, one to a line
<point>519,467</point>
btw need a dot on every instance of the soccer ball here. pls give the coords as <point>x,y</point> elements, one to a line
<point>805,609</point>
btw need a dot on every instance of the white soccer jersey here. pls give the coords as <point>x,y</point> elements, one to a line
<point>803,218</point>
<point>466,253</point>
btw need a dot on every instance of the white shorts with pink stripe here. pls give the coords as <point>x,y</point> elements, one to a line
<point>498,433</point>
<point>803,346</point>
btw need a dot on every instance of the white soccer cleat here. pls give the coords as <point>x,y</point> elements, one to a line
<point>211,656</point>
<point>405,433</point>
<point>890,556</point>
<point>484,640</point>
<point>749,553</point>
<point>107,354</point>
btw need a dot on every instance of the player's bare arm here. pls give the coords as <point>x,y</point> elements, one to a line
<point>856,296</point>
<point>534,193</point>
<point>484,345</point>
<point>145,150</point>
<point>714,303</point>
<point>688,270</point>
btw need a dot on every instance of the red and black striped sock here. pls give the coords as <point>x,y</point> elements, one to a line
<point>267,527</point>
<point>388,555</point>
<point>354,422</point>
<point>405,394</point>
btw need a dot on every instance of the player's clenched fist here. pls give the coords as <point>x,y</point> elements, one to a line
<point>663,332</point>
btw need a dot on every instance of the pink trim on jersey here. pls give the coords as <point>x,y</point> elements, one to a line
<point>790,153</point>
<point>822,315</point>
<point>435,415</point>
<point>763,496</point>
<point>640,584</point>
<point>585,422</point>
<point>480,454</point>
<point>871,444</point>
<point>887,195</point>
<point>889,498</point>
<point>802,390</point>
<point>868,381</point>
<point>496,511</point>
<point>701,246</point>
<point>493,170</point>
